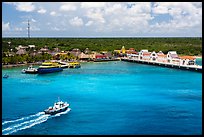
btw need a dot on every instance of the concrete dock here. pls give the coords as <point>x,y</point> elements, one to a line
<point>195,68</point>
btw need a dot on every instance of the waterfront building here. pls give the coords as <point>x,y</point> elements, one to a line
<point>131,51</point>
<point>75,52</point>
<point>161,57</point>
<point>100,56</point>
<point>132,54</point>
<point>121,51</point>
<point>187,60</point>
<point>92,56</point>
<point>153,56</point>
<point>83,56</point>
<point>144,54</point>
<point>172,57</point>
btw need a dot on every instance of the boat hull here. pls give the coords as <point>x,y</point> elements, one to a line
<point>55,112</point>
<point>48,70</point>
<point>31,72</point>
<point>77,66</point>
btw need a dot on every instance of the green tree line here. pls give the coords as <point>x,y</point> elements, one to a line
<point>188,46</point>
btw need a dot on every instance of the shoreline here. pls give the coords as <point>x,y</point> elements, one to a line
<point>19,65</point>
<point>38,63</point>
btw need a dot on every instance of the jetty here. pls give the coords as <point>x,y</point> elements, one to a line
<point>195,68</point>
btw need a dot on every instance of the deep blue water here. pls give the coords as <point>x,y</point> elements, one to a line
<point>105,98</point>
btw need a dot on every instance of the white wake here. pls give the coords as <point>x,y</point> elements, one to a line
<point>12,126</point>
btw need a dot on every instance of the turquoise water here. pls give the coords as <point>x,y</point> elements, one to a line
<point>199,61</point>
<point>105,98</point>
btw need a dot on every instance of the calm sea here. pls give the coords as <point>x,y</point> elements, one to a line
<point>105,98</point>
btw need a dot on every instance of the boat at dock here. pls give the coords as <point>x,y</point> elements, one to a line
<point>63,64</point>
<point>57,108</point>
<point>30,70</point>
<point>49,67</point>
<point>74,65</point>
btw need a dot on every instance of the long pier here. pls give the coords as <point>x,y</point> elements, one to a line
<point>195,68</point>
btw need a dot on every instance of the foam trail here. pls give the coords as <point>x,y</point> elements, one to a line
<point>65,112</point>
<point>23,118</point>
<point>27,122</point>
<point>25,125</point>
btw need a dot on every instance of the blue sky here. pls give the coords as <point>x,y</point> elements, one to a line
<point>102,19</point>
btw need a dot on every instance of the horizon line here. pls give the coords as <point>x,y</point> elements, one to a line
<point>110,37</point>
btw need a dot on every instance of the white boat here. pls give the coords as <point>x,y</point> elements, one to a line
<point>57,108</point>
<point>30,70</point>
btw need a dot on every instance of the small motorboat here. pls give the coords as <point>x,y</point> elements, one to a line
<point>57,108</point>
<point>30,70</point>
<point>5,76</point>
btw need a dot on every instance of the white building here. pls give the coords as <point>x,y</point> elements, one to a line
<point>153,56</point>
<point>187,60</point>
<point>172,57</point>
<point>161,57</point>
<point>144,55</point>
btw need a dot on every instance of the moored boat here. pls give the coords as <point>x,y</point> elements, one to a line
<point>30,70</point>
<point>74,65</point>
<point>49,67</point>
<point>57,108</point>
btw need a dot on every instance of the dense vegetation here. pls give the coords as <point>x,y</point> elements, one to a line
<point>187,46</point>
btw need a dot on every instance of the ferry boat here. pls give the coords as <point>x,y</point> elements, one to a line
<point>30,70</point>
<point>49,67</point>
<point>57,108</point>
<point>74,65</point>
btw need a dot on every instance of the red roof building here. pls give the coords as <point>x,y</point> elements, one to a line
<point>101,56</point>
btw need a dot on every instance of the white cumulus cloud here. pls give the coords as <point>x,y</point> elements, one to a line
<point>95,14</point>
<point>89,23</point>
<point>68,6</point>
<point>42,11</point>
<point>23,6</point>
<point>5,26</point>
<point>116,18</point>
<point>92,4</point>
<point>33,20</point>
<point>76,21</point>
<point>53,13</point>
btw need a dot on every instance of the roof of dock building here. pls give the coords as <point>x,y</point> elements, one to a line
<point>188,57</point>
